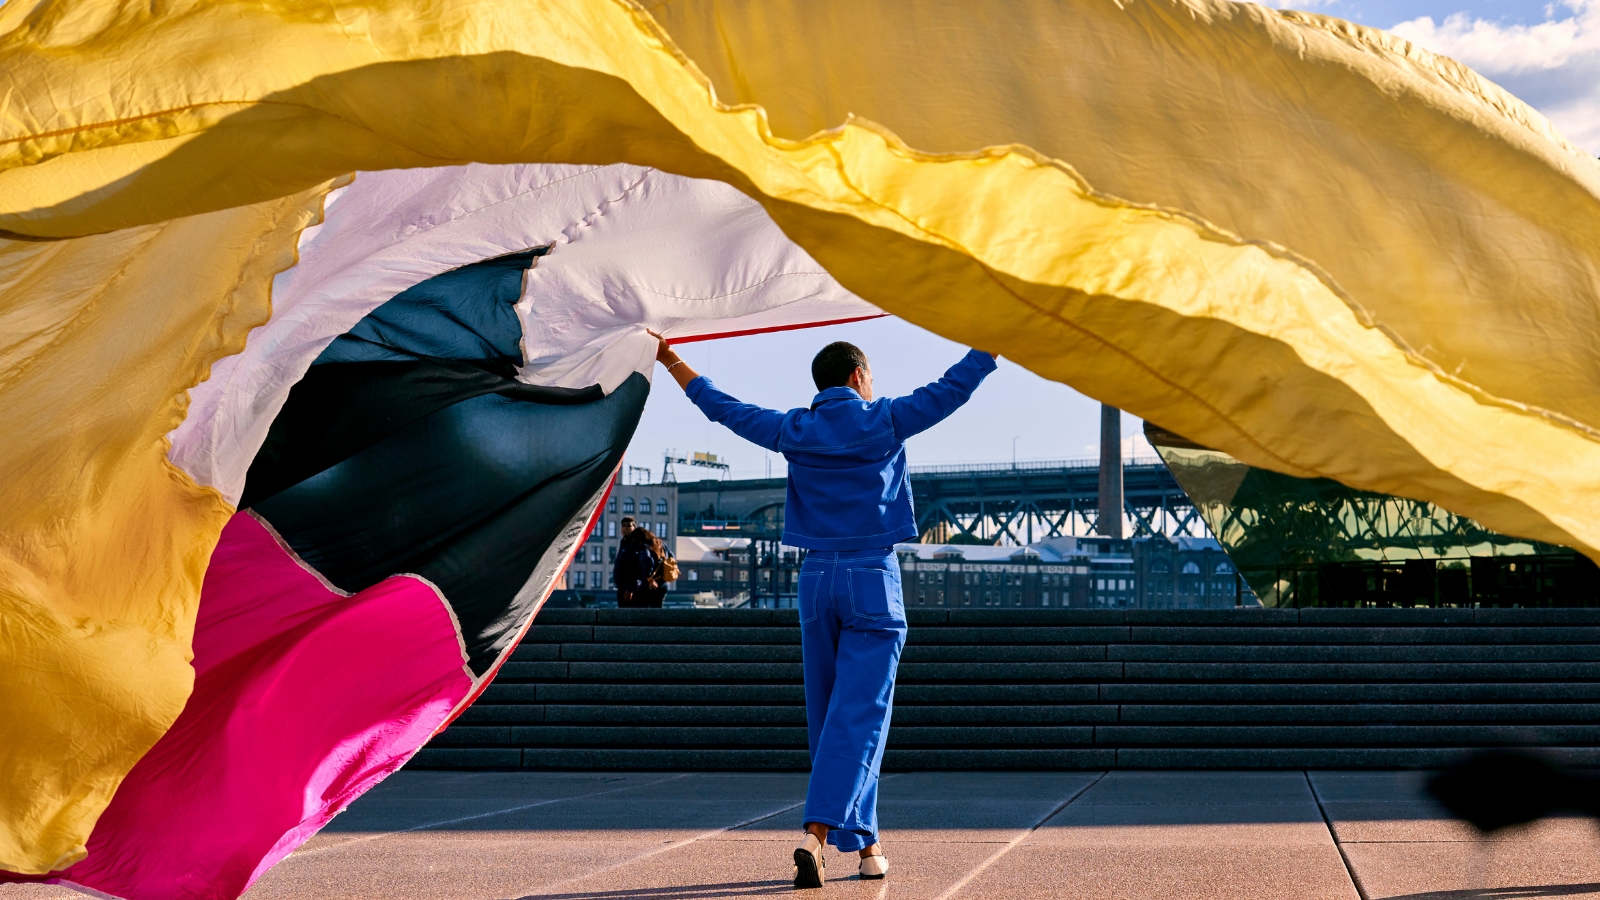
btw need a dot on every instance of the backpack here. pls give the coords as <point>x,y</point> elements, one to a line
<point>667,571</point>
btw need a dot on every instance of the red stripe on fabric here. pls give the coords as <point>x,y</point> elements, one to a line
<point>728,334</point>
<point>483,683</point>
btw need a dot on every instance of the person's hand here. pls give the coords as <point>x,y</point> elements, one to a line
<point>676,367</point>
<point>664,352</point>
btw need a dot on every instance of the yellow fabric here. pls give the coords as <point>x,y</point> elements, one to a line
<point>1299,241</point>
<point>103,543</point>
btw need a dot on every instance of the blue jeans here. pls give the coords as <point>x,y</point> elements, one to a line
<point>852,628</point>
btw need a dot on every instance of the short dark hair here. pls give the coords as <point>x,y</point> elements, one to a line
<point>628,520</point>
<point>835,363</point>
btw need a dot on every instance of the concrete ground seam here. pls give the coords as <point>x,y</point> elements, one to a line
<point>1012,844</point>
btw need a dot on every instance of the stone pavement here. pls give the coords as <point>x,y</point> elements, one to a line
<point>1142,835</point>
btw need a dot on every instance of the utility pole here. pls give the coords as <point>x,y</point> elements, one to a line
<point>1109,522</point>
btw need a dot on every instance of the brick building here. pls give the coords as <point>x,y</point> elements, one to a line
<point>653,506</point>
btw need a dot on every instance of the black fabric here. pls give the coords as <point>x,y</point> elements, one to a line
<point>409,447</point>
<point>468,314</point>
<point>469,497</point>
<point>448,339</point>
<point>337,410</point>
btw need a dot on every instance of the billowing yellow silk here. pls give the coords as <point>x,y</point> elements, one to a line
<point>1299,241</point>
<point>103,543</point>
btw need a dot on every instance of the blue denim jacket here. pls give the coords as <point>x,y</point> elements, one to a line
<point>847,457</point>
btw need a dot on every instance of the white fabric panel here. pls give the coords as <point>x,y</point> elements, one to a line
<point>631,248</point>
<point>685,257</point>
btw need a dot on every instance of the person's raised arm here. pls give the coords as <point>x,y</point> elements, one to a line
<point>927,406</point>
<point>755,424</point>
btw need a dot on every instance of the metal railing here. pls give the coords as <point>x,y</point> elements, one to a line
<point>1028,465</point>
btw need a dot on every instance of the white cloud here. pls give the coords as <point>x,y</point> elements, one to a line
<point>1553,65</point>
<point>1497,49</point>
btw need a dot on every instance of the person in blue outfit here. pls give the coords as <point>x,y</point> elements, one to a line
<point>849,502</point>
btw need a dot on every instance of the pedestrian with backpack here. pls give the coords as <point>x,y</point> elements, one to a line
<point>639,569</point>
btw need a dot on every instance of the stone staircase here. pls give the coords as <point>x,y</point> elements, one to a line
<point>1050,689</point>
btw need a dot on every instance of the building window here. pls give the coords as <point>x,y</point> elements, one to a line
<point>661,506</point>
<point>611,580</point>
<point>1191,568</point>
<point>694,574</point>
<point>1224,569</point>
<point>627,504</point>
<point>743,575</point>
<point>612,506</point>
<point>577,578</point>
<point>613,553</point>
<point>718,575</point>
<point>611,531</point>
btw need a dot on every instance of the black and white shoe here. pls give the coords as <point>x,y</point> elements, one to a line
<point>874,867</point>
<point>809,866</point>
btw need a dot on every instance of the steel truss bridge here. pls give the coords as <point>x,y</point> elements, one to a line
<point>1022,502</point>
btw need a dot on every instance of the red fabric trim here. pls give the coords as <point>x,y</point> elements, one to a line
<point>728,334</point>
<point>483,683</point>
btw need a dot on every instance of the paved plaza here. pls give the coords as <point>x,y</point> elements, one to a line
<point>1139,835</point>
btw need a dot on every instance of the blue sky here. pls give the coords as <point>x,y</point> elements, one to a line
<point>1549,55</point>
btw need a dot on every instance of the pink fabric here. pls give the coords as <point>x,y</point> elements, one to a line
<point>303,700</point>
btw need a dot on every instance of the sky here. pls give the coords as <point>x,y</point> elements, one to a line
<point>1014,411</point>
<point>1549,55</point>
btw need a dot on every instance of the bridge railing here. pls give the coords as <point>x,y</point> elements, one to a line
<point>1028,465</point>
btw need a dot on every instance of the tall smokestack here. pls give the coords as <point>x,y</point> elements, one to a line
<point>1110,521</point>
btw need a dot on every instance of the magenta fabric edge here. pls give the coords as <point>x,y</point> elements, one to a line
<point>262,735</point>
<point>248,535</point>
<point>292,839</point>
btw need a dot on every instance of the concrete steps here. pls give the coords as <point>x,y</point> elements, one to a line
<point>997,689</point>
